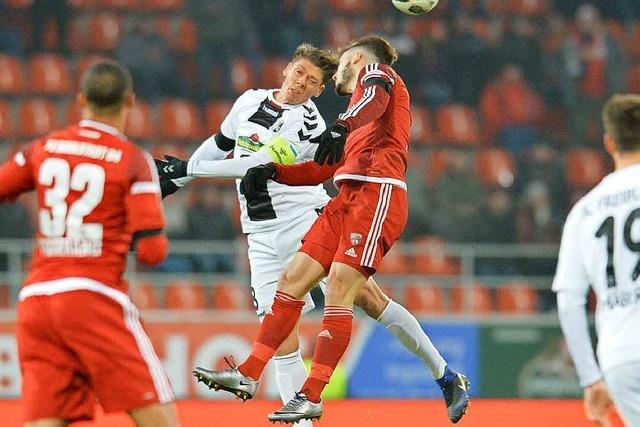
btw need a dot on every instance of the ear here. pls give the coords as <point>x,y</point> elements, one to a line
<point>81,101</point>
<point>610,145</point>
<point>130,101</point>
<point>356,57</point>
<point>319,91</point>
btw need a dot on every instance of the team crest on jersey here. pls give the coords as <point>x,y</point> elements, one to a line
<point>356,238</point>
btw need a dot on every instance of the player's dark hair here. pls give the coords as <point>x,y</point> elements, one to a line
<point>324,59</point>
<point>384,52</point>
<point>621,117</point>
<point>106,85</point>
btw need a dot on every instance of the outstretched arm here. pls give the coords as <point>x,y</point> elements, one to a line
<point>307,173</point>
<point>15,178</point>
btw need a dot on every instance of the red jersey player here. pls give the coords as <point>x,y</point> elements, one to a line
<point>356,229</point>
<point>79,335</point>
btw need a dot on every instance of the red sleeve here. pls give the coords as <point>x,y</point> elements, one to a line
<point>16,176</point>
<point>307,173</point>
<point>377,83</point>
<point>143,204</point>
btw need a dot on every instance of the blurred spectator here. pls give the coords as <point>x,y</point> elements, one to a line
<point>512,110</point>
<point>538,221</point>
<point>149,59</point>
<point>497,224</point>
<point>224,29</point>
<point>15,224</point>
<point>520,46</point>
<point>467,66</point>
<point>10,39</point>
<point>42,12</point>
<point>594,68</point>
<point>456,200</point>
<point>419,208</point>
<point>209,219</point>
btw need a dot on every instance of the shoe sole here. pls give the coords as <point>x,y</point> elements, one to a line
<point>240,394</point>
<point>296,421</point>
<point>467,384</point>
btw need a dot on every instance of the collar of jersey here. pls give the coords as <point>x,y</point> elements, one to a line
<point>103,127</point>
<point>622,172</point>
<point>280,104</point>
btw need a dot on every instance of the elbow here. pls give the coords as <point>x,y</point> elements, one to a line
<point>153,250</point>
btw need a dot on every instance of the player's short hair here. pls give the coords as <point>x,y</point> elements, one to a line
<point>621,117</point>
<point>106,85</point>
<point>324,59</point>
<point>384,52</point>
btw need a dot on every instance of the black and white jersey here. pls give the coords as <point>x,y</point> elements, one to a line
<point>601,248</point>
<point>255,119</point>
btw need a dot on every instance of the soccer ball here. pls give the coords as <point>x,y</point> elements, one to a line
<point>415,7</point>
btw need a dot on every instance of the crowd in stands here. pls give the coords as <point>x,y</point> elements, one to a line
<point>506,96</point>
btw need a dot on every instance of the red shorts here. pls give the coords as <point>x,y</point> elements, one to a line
<point>78,345</point>
<point>358,226</point>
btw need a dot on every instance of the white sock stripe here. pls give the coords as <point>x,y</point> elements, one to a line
<point>285,297</point>
<point>383,204</point>
<point>365,98</point>
<point>373,224</point>
<point>372,255</point>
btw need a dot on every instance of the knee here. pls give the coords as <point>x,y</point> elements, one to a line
<point>291,282</point>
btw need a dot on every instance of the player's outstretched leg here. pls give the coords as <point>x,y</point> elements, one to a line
<point>455,389</point>
<point>230,379</point>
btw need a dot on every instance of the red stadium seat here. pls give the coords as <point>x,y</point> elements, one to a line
<point>82,4</point>
<point>163,5</point>
<point>394,262</point>
<point>104,32</point>
<point>216,112</point>
<point>144,296</point>
<point>185,295</point>
<point>180,120</point>
<point>528,7</point>
<point>421,128</point>
<point>6,123</point>
<point>437,163</point>
<point>272,69</point>
<point>5,296</point>
<point>231,295</point>
<point>496,167</point>
<point>119,5</point>
<point>139,123</point>
<point>37,118</point>
<point>431,257</point>
<point>458,124</point>
<point>349,5</point>
<point>85,62</point>
<point>19,3</point>
<point>11,82</point>
<point>633,79</point>
<point>516,298</point>
<point>585,167</point>
<point>481,303</point>
<point>242,75</point>
<point>180,34</point>
<point>70,113</point>
<point>423,298</point>
<point>633,45</point>
<point>49,74</point>
<point>339,32</point>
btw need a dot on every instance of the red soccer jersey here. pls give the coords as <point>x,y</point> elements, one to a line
<point>95,189</point>
<point>379,120</point>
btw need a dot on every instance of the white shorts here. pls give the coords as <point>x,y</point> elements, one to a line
<point>269,255</point>
<point>623,383</point>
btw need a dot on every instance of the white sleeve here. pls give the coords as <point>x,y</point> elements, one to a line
<point>571,284</point>
<point>572,312</point>
<point>227,168</point>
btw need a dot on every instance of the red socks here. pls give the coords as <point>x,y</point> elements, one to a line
<point>275,328</point>
<point>331,344</point>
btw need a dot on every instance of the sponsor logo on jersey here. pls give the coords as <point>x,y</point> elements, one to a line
<point>356,238</point>
<point>269,110</point>
<point>325,333</point>
<point>351,252</point>
<point>249,143</point>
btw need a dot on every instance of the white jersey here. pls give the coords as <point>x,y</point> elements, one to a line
<point>601,248</point>
<point>256,118</point>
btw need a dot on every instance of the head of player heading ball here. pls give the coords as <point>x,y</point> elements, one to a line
<point>331,143</point>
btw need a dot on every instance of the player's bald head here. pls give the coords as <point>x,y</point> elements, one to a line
<point>106,86</point>
<point>621,117</point>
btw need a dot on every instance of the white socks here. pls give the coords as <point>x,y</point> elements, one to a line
<point>407,330</point>
<point>290,376</point>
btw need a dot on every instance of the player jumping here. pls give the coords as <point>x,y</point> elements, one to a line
<point>600,246</point>
<point>79,335</point>
<point>349,238</point>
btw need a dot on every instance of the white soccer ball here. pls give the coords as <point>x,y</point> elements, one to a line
<point>415,7</point>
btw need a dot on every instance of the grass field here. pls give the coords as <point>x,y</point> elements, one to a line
<point>356,413</point>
